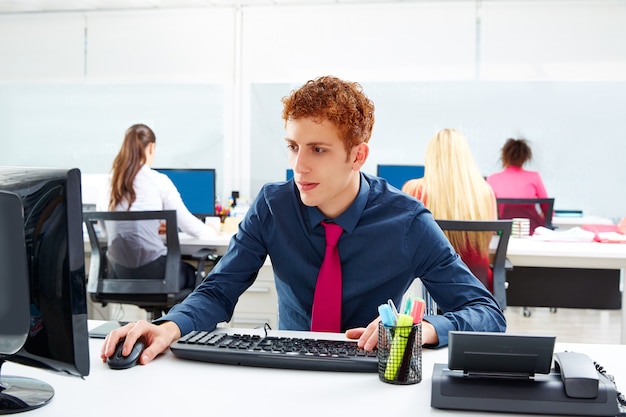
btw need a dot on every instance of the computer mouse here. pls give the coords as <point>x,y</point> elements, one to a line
<point>119,361</point>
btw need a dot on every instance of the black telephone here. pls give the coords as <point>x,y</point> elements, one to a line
<point>521,373</point>
<point>578,373</point>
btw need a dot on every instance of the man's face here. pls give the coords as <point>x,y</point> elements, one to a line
<point>324,174</point>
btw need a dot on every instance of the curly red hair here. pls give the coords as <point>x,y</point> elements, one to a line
<point>340,102</point>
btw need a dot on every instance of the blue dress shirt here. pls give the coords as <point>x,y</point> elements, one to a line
<point>389,239</point>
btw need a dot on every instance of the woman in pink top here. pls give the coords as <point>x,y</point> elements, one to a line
<point>516,182</point>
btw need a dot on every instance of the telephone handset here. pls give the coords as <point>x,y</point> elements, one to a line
<point>578,373</point>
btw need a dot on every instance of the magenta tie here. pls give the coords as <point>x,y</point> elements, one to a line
<point>326,315</point>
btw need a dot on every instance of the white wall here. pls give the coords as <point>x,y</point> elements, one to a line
<point>388,42</point>
<point>210,81</point>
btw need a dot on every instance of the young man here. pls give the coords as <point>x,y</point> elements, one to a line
<point>388,238</point>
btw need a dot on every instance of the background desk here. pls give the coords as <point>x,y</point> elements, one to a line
<point>259,304</point>
<point>189,244</point>
<point>175,387</point>
<point>567,274</point>
<point>530,252</point>
<point>568,222</point>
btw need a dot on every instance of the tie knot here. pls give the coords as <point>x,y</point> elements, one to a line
<point>333,232</point>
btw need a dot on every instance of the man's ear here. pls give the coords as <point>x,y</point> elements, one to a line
<point>360,153</point>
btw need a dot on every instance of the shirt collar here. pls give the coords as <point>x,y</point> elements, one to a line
<point>349,218</point>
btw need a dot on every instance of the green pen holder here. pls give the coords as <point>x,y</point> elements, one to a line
<point>400,354</point>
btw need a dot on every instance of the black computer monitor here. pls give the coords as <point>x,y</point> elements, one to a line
<point>42,273</point>
<point>196,187</point>
<point>397,175</point>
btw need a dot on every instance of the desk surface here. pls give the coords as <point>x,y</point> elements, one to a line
<point>530,252</point>
<point>565,222</point>
<point>189,244</point>
<point>172,386</point>
<point>521,252</point>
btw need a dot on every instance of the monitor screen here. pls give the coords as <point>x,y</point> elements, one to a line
<point>15,312</point>
<point>397,175</point>
<point>50,212</point>
<point>289,174</point>
<point>196,188</point>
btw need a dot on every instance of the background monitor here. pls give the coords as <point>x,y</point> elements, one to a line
<point>196,187</point>
<point>289,174</point>
<point>50,238</point>
<point>397,175</point>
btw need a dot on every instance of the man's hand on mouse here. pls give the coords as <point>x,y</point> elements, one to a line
<point>157,339</point>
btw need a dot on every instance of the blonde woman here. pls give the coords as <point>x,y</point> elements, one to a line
<point>454,189</point>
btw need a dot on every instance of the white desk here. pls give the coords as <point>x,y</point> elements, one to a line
<point>259,304</point>
<point>175,387</point>
<point>529,252</point>
<point>189,245</point>
<point>522,252</point>
<point>567,222</point>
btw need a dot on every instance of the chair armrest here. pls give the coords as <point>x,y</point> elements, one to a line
<point>201,256</point>
<point>508,265</point>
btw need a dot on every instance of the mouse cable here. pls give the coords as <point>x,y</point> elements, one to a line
<point>266,326</point>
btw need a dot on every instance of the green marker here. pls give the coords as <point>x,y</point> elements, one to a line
<point>398,344</point>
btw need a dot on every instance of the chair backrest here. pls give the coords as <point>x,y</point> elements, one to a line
<point>509,208</point>
<point>153,293</point>
<point>502,233</point>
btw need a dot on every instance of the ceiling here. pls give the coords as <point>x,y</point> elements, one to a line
<point>51,6</point>
<point>46,6</point>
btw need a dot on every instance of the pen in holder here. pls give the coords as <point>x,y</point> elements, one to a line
<point>400,353</point>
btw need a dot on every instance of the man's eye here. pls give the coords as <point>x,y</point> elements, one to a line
<point>318,150</point>
<point>291,147</point>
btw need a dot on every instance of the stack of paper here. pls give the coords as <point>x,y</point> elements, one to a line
<point>611,237</point>
<point>575,234</point>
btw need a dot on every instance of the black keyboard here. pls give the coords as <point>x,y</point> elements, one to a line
<point>274,350</point>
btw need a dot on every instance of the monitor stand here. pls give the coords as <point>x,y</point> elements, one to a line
<point>19,394</point>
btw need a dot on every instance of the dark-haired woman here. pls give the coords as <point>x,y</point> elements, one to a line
<point>135,248</point>
<point>516,182</point>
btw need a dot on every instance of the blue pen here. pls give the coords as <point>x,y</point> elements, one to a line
<point>386,315</point>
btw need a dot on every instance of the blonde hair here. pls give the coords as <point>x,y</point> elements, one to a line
<point>454,188</point>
